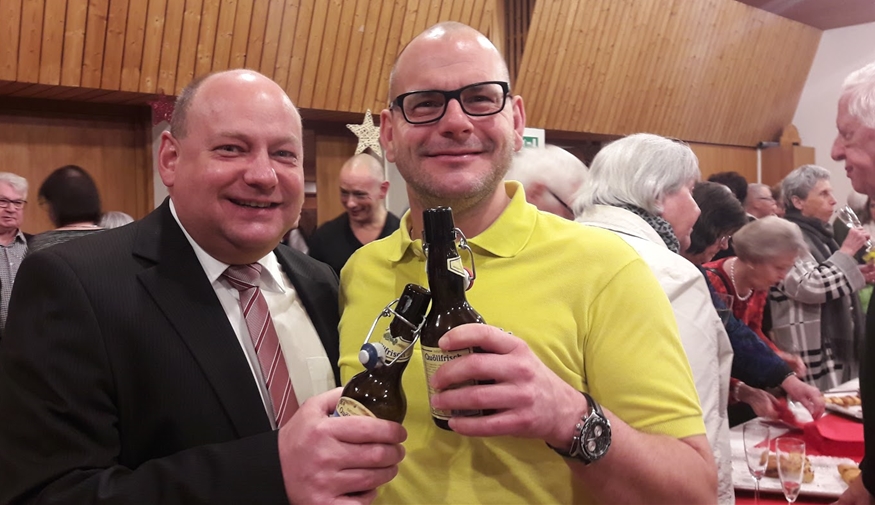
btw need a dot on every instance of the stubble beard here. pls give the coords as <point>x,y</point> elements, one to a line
<point>431,196</point>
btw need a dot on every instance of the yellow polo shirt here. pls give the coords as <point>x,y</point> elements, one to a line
<point>587,306</point>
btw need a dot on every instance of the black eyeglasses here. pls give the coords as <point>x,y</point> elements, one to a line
<point>16,204</point>
<point>479,99</point>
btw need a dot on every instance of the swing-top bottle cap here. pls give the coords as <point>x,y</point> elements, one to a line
<point>372,355</point>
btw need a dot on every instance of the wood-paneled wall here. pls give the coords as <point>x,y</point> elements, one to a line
<point>714,158</point>
<point>115,149</point>
<point>714,71</point>
<point>328,54</point>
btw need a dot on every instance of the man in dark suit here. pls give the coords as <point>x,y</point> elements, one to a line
<point>127,372</point>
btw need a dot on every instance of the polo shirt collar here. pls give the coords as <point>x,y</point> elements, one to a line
<point>504,238</point>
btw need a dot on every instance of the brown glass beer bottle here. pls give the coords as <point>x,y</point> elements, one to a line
<point>447,280</point>
<point>377,391</point>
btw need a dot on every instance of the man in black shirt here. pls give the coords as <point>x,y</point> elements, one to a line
<point>363,188</point>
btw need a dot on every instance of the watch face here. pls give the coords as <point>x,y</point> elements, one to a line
<point>596,438</point>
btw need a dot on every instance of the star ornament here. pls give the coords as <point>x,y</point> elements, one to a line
<point>368,135</point>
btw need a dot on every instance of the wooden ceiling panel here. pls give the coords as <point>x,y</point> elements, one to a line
<point>691,69</point>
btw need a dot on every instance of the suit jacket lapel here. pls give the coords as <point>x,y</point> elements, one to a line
<point>177,283</point>
<point>319,301</point>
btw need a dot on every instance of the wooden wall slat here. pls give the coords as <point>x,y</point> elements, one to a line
<point>95,36</point>
<point>241,34</point>
<point>170,47</point>
<point>206,41</point>
<point>372,28</point>
<point>419,21</point>
<point>256,33</point>
<point>224,35</point>
<point>477,14</point>
<point>52,45</point>
<point>74,42</point>
<point>394,45</point>
<point>285,48</point>
<point>339,55</point>
<point>115,44</point>
<point>375,72</point>
<point>272,34</point>
<point>31,39</point>
<point>300,49</point>
<point>360,43</point>
<point>191,21</point>
<point>329,47</point>
<point>135,36</point>
<point>315,43</point>
<point>154,38</point>
<point>10,26</point>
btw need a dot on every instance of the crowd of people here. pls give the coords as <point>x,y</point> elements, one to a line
<point>188,357</point>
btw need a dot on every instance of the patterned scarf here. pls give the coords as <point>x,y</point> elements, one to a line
<point>659,225</point>
<point>822,231</point>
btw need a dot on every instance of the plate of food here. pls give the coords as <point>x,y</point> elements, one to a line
<point>848,404</point>
<point>824,476</point>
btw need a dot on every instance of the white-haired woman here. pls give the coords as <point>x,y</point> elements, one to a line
<point>640,188</point>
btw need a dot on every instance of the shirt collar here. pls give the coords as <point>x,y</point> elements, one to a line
<point>504,238</point>
<point>270,273</point>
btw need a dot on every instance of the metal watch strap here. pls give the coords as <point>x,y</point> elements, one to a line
<point>578,451</point>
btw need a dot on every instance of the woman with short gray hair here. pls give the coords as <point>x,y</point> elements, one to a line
<point>640,188</point>
<point>816,311</point>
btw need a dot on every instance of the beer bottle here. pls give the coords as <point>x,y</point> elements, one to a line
<point>447,280</point>
<point>377,391</point>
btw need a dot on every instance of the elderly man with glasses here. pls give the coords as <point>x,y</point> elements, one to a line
<point>13,242</point>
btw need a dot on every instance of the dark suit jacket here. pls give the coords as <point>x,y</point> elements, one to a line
<point>121,379</point>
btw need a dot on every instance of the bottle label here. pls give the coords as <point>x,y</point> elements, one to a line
<point>454,265</point>
<point>349,407</point>
<point>395,347</point>
<point>433,358</point>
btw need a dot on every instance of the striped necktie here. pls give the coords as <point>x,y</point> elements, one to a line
<point>244,278</point>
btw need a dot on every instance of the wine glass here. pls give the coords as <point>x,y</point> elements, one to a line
<point>791,465</point>
<point>756,451</point>
<point>725,311</point>
<point>847,215</point>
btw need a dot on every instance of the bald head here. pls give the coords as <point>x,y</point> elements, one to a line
<point>363,188</point>
<point>239,77</point>
<point>363,165</point>
<point>443,34</point>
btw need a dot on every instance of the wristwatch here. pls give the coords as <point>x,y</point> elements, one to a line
<point>592,435</point>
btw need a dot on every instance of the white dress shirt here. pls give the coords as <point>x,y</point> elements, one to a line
<point>305,356</point>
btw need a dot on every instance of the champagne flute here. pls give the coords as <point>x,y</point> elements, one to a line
<point>847,215</point>
<point>791,465</point>
<point>756,451</point>
<point>725,311</point>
